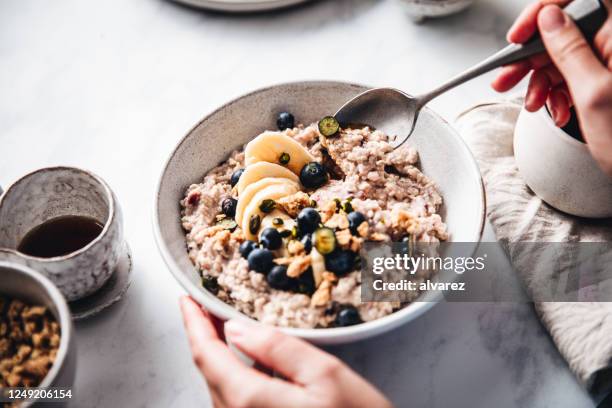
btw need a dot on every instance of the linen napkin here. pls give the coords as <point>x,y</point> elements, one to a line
<point>582,331</point>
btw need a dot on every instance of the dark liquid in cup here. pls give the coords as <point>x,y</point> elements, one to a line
<point>60,236</point>
<point>573,127</point>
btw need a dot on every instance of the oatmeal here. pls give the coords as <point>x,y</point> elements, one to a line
<point>276,229</point>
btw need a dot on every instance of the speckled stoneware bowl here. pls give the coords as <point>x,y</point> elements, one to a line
<point>444,157</point>
<point>418,10</point>
<point>54,192</point>
<point>20,282</point>
<point>559,168</point>
<point>241,6</point>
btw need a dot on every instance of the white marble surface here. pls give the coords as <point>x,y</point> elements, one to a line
<point>112,85</point>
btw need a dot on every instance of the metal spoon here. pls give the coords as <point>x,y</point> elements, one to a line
<point>396,112</point>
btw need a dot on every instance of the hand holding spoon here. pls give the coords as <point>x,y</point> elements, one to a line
<point>396,112</point>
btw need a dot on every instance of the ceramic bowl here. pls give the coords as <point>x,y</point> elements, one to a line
<point>241,6</point>
<point>418,10</point>
<point>559,169</point>
<point>20,282</point>
<point>444,157</point>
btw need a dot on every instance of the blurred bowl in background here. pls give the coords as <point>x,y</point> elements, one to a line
<point>241,6</point>
<point>418,10</point>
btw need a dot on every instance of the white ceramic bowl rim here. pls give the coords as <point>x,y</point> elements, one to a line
<point>64,318</point>
<point>363,330</point>
<point>558,131</point>
<point>107,224</point>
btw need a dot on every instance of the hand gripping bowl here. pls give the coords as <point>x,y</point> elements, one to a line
<point>444,158</point>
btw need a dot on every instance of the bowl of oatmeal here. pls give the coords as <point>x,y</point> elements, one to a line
<point>263,208</point>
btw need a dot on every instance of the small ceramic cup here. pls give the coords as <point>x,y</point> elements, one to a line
<point>63,191</point>
<point>559,169</point>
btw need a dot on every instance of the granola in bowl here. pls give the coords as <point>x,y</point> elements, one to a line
<point>276,229</point>
<point>29,342</point>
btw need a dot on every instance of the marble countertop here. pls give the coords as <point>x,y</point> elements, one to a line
<point>113,85</point>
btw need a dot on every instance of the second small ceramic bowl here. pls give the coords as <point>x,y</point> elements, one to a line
<point>559,169</point>
<point>20,282</point>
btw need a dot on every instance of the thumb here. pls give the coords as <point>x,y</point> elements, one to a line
<point>295,359</point>
<point>568,49</point>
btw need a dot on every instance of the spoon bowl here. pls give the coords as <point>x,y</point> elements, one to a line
<point>395,112</point>
<point>389,110</point>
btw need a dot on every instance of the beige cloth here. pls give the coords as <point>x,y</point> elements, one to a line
<point>582,331</point>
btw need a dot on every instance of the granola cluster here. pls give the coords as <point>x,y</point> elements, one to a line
<point>29,341</point>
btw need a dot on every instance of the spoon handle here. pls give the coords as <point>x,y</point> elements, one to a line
<point>589,15</point>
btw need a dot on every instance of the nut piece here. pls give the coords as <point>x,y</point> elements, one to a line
<point>298,266</point>
<point>343,237</point>
<point>295,247</point>
<point>328,211</point>
<point>294,203</point>
<point>337,221</point>
<point>363,229</point>
<point>323,293</point>
<point>404,221</point>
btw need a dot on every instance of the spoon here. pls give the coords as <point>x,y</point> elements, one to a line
<point>395,112</point>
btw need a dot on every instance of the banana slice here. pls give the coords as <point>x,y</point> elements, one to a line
<point>268,221</point>
<point>272,192</point>
<point>318,266</point>
<point>260,170</point>
<point>247,194</point>
<point>269,146</point>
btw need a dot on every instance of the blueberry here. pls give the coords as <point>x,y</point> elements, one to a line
<point>305,283</point>
<point>211,284</point>
<point>285,121</point>
<point>270,238</point>
<point>228,207</point>
<point>307,242</point>
<point>236,177</point>
<point>355,220</point>
<point>261,260</point>
<point>246,247</point>
<point>340,262</point>
<point>308,220</point>
<point>278,279</point>
<point>348,316</point>
<point>313,175</point>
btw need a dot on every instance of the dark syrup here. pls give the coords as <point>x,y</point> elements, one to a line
<point>60,236</point>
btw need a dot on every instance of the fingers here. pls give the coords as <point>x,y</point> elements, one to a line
<point>540,85</point>
<point>295,359</point>
<point>559,105</point>
<point>537,91</point>
<point>511,75</point>
<point>603,39</point>
<point>568,49</point>
<point>210,354</point>
<point>231,382</point>
<point>526,24</point>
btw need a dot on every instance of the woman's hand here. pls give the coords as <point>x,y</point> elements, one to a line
<point>570,73</point>
<point>314,378</point>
